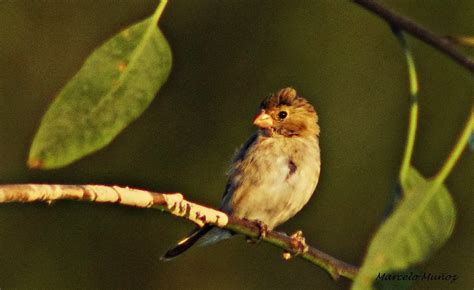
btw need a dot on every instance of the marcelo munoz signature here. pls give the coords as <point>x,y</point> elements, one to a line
<point>422,276</point>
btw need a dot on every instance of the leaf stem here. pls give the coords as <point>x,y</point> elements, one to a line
<point>412,125</point>
<point>457,150</point>
<point>159,11</point>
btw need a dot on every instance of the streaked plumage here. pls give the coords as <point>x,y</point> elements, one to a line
<point>275,172</point>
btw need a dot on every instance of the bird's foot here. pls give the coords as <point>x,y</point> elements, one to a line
<point>298,242</point>
<point>263,231</point>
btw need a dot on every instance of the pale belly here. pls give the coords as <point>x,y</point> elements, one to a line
<point>273,185</point>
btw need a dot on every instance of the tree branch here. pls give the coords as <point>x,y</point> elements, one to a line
<point>443,44</point>
<point>175,204</point>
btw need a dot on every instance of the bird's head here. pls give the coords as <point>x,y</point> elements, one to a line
<point>287,114</point>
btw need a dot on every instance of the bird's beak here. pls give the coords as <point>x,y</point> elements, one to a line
<point>263,120</point>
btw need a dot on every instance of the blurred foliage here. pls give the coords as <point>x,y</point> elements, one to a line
<point>420,225</point>
<point>423,215</point>
<point>114,86</point>
<point>227,57</point>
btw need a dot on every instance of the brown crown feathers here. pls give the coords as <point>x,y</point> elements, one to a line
<point>292,115</point>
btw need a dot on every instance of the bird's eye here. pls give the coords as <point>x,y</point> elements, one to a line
<point>282,115</point>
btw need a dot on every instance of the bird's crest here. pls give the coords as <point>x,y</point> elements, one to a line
<point>284,96</point>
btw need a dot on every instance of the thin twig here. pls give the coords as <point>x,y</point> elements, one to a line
<point>175,204</point>
<point>418,31</point>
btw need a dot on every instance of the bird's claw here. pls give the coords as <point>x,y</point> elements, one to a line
<point>298,242</point>
<point>263,231</point>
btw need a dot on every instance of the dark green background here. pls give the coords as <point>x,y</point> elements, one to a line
<point>228,55</point>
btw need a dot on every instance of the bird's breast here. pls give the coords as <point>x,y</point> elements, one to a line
<point>275,179</point>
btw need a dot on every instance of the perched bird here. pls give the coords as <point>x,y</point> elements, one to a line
<point>275,172</point>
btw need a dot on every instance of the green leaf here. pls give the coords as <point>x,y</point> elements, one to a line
<point>420,225</point>
<point>113,88</point>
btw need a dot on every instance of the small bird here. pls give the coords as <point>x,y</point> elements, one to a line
<point>274,173</point>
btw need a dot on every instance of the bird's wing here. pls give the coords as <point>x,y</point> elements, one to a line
<point>238,157</point>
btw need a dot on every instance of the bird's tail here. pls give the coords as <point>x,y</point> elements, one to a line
<point>215,235</point>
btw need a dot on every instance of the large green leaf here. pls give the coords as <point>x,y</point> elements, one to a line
<point>113,87</point>
<point>421,224</point>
